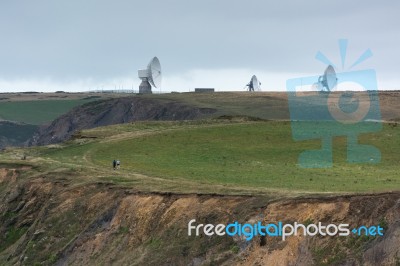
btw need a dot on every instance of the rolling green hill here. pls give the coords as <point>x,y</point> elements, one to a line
<point>220,156</point>
<point>238,156</point>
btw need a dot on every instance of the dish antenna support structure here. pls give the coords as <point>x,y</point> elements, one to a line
<point>151,76</point>
<point>327,81</point>
<point>254,84</point>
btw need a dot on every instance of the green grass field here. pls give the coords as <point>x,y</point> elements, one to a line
<point>231,156</point>
<point>36,112</point>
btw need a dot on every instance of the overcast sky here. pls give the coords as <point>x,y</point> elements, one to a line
<point>49,45</point>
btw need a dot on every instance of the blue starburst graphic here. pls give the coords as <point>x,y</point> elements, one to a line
<point>327,113</point>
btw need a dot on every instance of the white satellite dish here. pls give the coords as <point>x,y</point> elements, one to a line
<point>328,81</point>
<point>151,75</point>
<point>254,84</point>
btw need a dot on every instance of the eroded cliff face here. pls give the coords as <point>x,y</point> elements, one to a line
<point>382,209</point>
<point>48,220</point>
<point>115,111</point>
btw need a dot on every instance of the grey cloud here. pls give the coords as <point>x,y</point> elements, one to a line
<point>68,40</point>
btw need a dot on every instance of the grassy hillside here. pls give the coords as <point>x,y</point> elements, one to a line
<point>36,112</point>
<point>220,156</point>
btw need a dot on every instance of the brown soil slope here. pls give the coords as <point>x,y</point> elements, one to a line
<point>48,221</point>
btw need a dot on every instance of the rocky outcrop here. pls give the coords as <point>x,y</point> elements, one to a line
<point>115,111</point>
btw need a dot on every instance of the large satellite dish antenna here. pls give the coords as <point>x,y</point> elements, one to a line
<point>151,75</point>
<point>328,81</point>
<point>254,84</point>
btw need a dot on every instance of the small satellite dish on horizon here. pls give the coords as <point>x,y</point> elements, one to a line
<point>151,75</point>
<point>326,82</point>
<point>254,84</point>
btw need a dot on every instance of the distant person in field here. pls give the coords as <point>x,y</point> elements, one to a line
<point>114,164</point>
<point>118,164</point>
